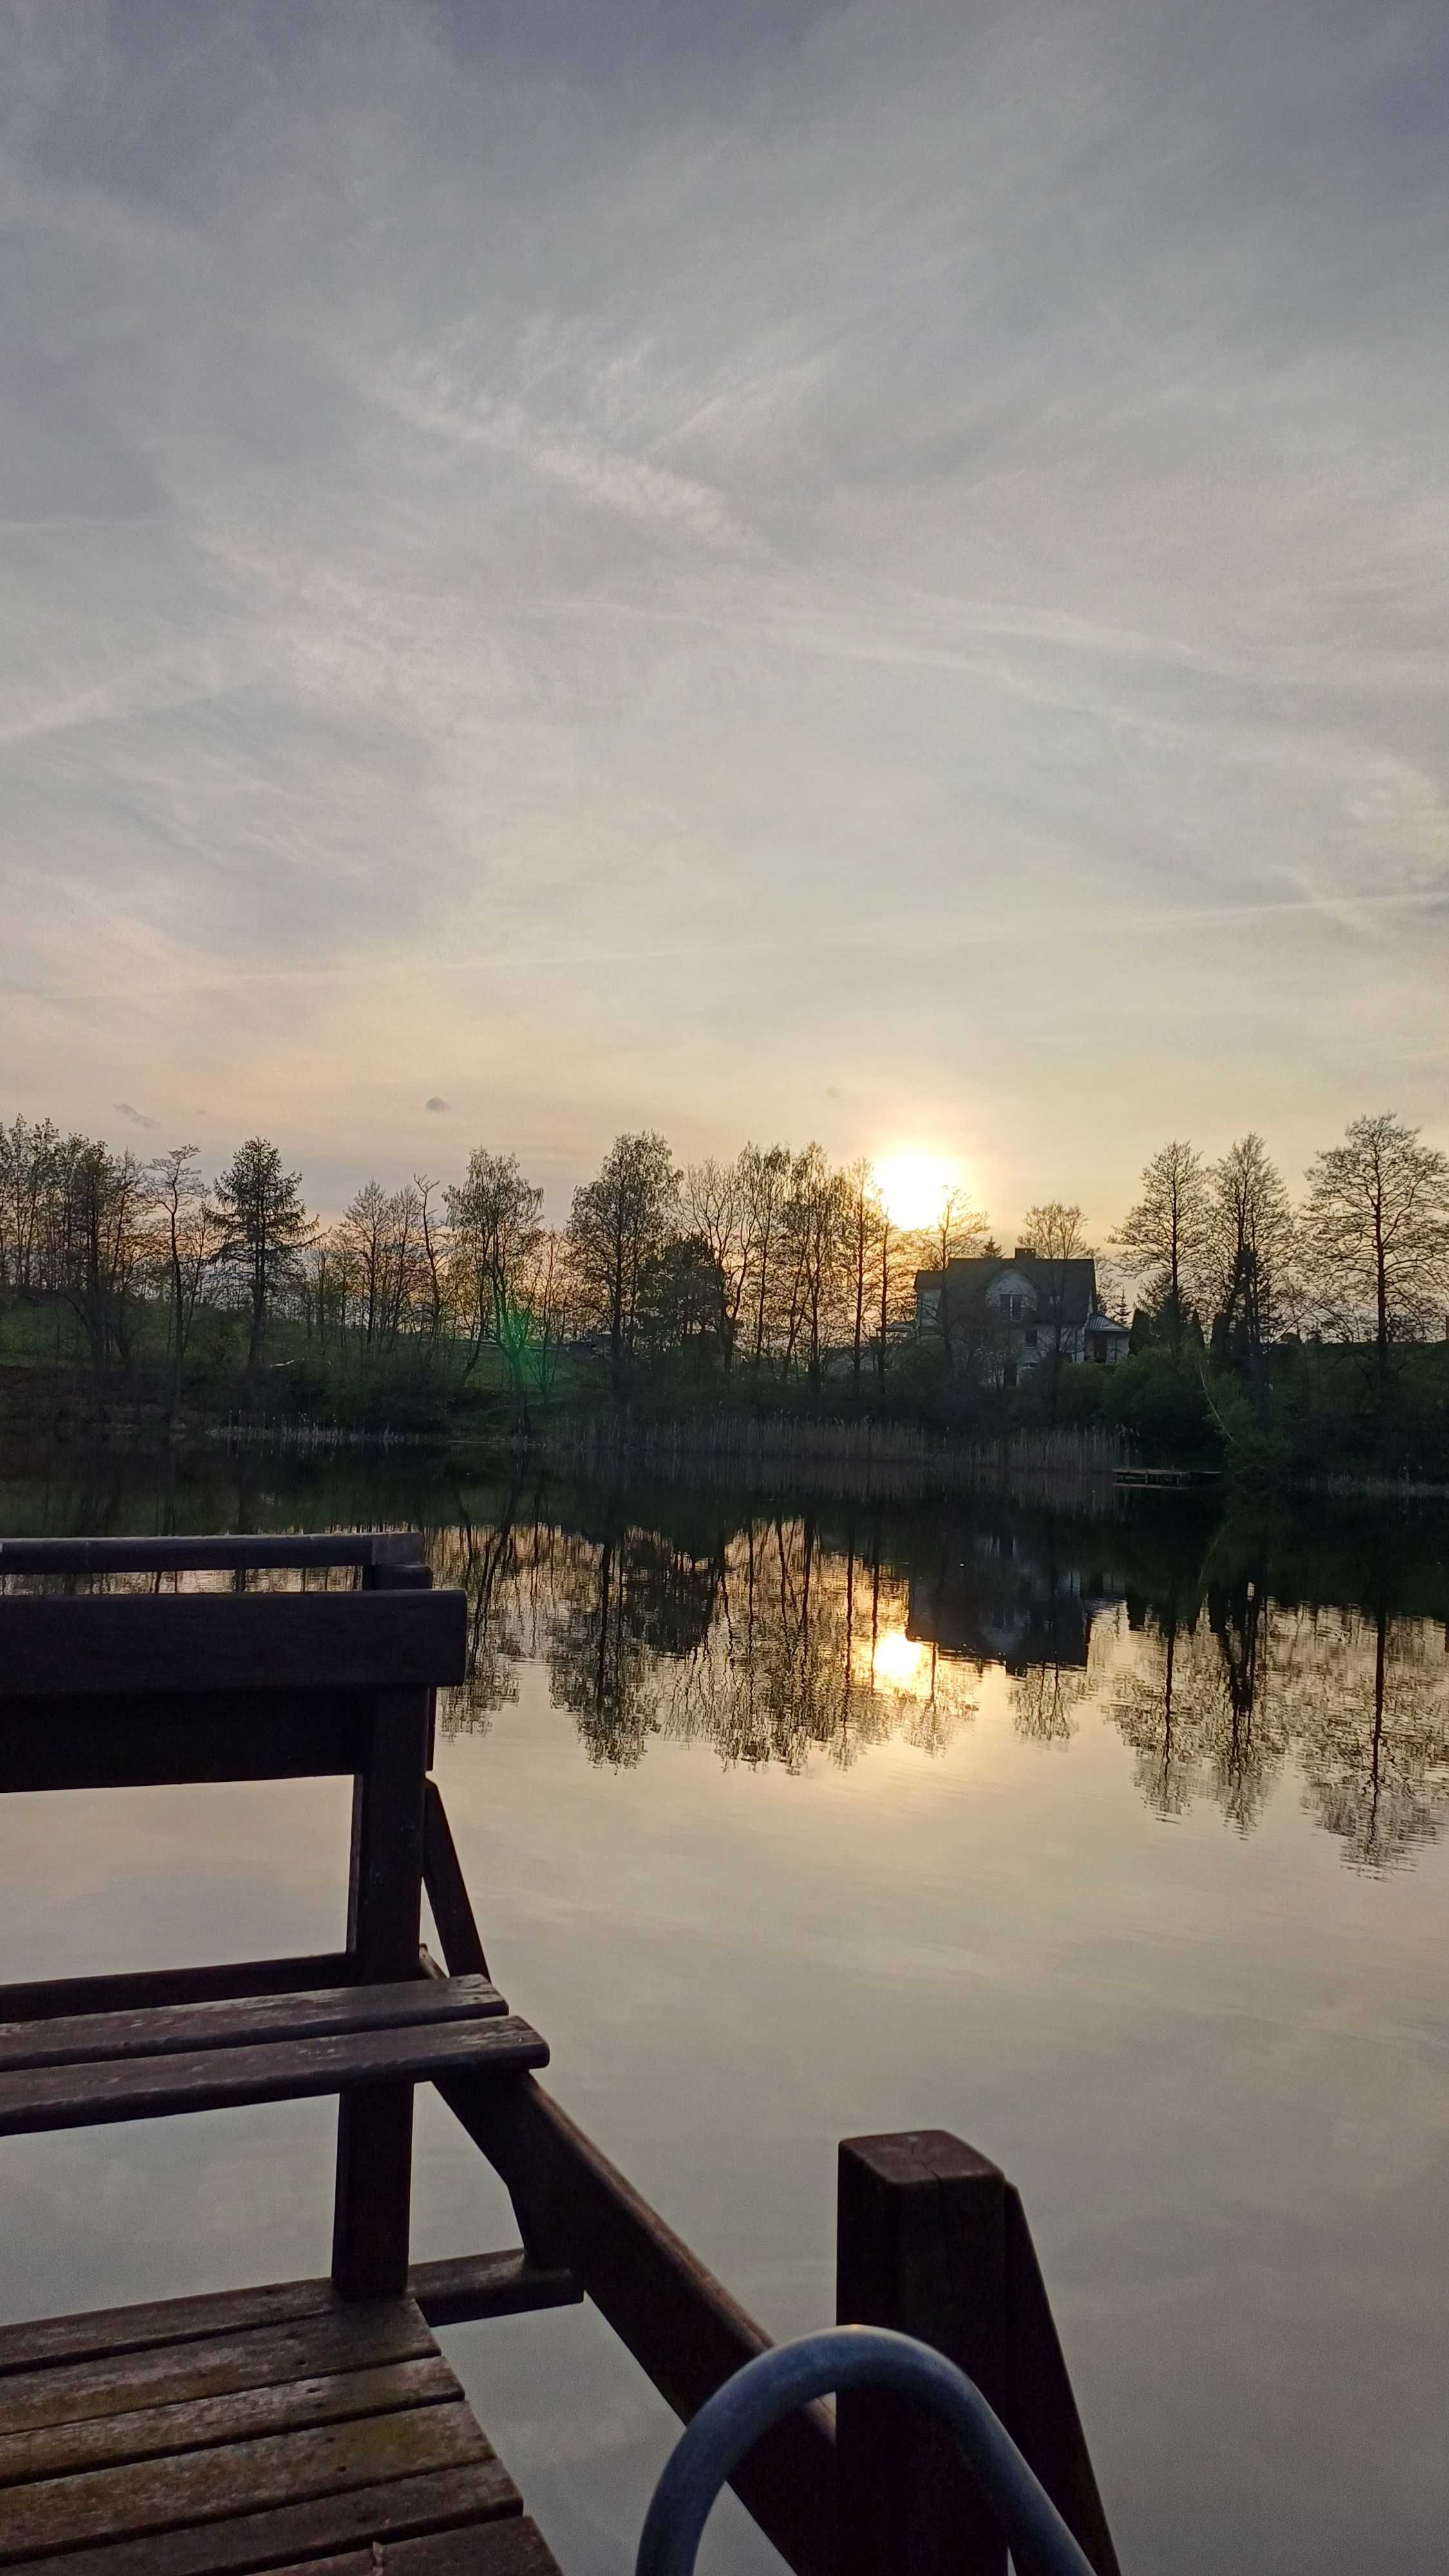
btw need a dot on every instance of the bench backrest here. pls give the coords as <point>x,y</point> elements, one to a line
<point>111,1690</point>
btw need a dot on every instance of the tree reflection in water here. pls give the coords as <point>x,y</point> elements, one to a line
<point>1357,1700</point>
<point>778,1636</point>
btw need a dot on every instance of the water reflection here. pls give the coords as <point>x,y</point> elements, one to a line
<point>770,1643</point>
<point>782,1637</point>
<point>1300,1654</point>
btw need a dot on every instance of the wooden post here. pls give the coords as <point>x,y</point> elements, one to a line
<point>933,2240</point>
<point>921,2246</point>
<point>384,1920</point>
<point>1041,2413</point>
<point>448,1892</point>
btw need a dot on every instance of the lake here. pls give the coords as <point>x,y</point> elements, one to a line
<point>1116,1842</point>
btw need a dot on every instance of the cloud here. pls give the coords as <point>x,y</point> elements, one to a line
<point>436,1103</point>
<point>621,567</point>
<point>133,1117</point>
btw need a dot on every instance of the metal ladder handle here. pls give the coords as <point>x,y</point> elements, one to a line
<point>730,2423</point>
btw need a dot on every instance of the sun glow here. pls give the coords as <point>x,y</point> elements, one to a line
<point>899,1661</point>
<point>914,1185</point>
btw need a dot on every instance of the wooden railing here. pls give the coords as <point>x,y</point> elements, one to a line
<point>373,1551</point>
<point>931,2237</point>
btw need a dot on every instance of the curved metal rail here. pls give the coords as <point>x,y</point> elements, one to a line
<point>732,2421</point>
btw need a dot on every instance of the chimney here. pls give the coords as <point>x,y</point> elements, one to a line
<point>1023,1252</point>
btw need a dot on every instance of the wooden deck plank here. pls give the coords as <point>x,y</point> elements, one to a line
<point>204,2423</point>
<point>173,2374</point>
<point>169,2493</point>
<point>298,2534</point>
<point>69,2097</point>
<point>515,2548</point>
<point>237,2021</point>
<point>152,1646</point>
<point>459,2288</point>
<point>140,1989</point>
<point>34,2342</point>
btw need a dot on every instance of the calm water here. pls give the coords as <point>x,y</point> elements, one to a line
<point>1118,1845</point>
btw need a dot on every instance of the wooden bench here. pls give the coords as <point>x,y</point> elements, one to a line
<point>258,2429</point>
<point>314,2425</point>
<point>313,2422</point>
<point>88,2068</point>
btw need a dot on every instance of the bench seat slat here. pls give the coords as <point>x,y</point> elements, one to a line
<point>165,2030</point>
<point>211,2079</point>
<point>143,1989</point>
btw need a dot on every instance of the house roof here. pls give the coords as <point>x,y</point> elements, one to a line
<point>1074,1282</point>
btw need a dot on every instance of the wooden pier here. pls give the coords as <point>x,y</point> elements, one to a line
<point>315,2424</point>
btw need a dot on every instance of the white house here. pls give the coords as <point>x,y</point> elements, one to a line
<point>1003,1313</point>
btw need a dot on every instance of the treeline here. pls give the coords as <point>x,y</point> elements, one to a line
<point>1225,1254</point>
<point>768,1264</point>
<point>771,1270</point>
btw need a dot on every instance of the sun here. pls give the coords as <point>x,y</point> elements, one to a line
<point>898,1660</point>
<point>913,1185</point>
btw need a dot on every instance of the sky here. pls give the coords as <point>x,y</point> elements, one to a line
<point>872,571</point>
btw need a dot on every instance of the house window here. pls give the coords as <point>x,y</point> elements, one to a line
<point>1099,1346</point>
<point>1013,1308</point>
<point>1029,1337</point>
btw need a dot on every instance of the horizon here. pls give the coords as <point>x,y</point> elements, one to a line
<point>912,1188</point>
<point>822,573</point>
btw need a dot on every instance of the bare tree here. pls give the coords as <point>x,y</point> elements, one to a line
<point>190,1237</point>
<point>764,1184</point>
<point>814,1232</point>
<point>893,1285</point>
<point>618,1222</point>
<point>406,1269</point>
<point>1055,1233</point>
<point>717,1212</point>
<point>865,1226</point>
<point>495,1223</point>
<point>95,1214</point>
<point>1376,1228</point>
<point>958,1233</point>
<point>548,1293</point>
<point>362,1244</point>
<point>1169,1230</point>
<point>432,1257</point>
<point>30,1163</point>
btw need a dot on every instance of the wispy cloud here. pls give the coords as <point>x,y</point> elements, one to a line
<point>892,528</point>
<point>133,1117</point>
